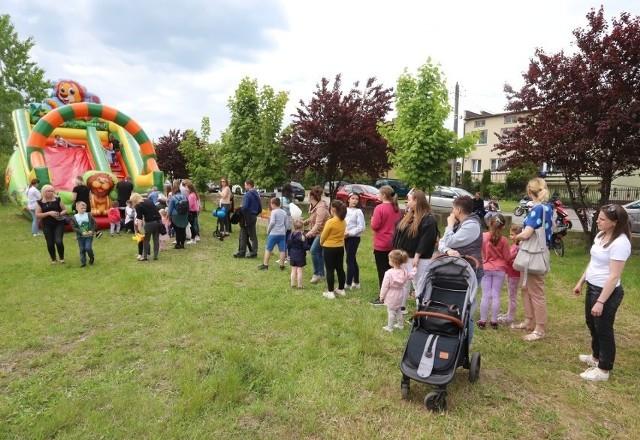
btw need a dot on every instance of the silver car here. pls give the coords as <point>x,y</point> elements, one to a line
<point>633,209</point>
<point>442,196</point>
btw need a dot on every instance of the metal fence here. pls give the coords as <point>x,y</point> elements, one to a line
<point>619,194</point>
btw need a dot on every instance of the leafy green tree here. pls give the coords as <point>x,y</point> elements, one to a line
<point>335,133</point>
<point>518,177</point>
<point>21,80</point>
<point>467,181</point>
<point>421,145</point>
<point>485,183</point>
<point>249,148</point>
<point>197,154</point>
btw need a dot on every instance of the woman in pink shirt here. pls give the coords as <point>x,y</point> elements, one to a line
<point>383,223</point>
<point>495,259</point>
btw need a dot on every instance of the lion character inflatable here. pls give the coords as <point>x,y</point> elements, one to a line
<point>100,185</point>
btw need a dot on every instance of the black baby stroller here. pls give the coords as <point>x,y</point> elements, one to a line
<point>438,343</point>
<point>220,214</point>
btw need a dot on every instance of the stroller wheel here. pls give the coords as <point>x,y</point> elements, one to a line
<point>404,391</point>
<point>436,400</point>
<point>474,367</point>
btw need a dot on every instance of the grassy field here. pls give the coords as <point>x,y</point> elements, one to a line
<point>199,345</point>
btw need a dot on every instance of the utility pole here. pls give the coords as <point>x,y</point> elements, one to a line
<point>455,130</point>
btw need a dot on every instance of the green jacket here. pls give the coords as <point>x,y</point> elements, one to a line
<point>79,228</point>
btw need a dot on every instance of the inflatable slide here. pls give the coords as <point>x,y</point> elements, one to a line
<point>84,128</point>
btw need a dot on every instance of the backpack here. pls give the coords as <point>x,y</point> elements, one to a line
<point>182,206</point>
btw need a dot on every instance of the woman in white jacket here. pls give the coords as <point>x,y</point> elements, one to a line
<point>355,227</point>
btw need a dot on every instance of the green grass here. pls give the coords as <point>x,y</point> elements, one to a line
<point>200,345</point>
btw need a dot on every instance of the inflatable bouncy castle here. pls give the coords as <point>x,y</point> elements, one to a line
<point>72,134</point>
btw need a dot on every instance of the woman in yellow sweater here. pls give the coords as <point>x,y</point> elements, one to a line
<point>332,242</point>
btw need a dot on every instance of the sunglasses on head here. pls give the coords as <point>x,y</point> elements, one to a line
<point>612,209</point>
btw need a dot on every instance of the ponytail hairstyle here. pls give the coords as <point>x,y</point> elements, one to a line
<point>538,189</point>
<point>617,214</point>
<point>388,194</point>
<point>496,225</point>
<point>341,209</point>
<point>399,257</point>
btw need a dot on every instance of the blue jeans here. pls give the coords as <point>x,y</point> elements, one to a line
<point>34,222</point>
<point>86,248</point>
<point>316,257</point>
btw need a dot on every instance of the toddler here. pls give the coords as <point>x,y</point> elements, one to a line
<point>495,257</point>
<point>276,234</point>
<point>84,226</point>
<point>114,218</point>
<point>166,221</point>
<point>130,216</point>
<point>392,289</point>
<point>513,278</point>
<point>297,247</point>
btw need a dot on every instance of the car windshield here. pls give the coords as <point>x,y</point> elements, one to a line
<point>370,189</point>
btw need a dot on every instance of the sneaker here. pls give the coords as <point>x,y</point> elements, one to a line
<point>376,302</point>
<point>139,257</point>
<point>238,255</point>
<point>83,265</point>
<point>252,255</point>
<point>329,295</point>
<point>35,235</point>
<point>282,267</point>
<point>398,326</point>
<point>588,359</point>
<point>595,374</point>
<point>504,319</point>
<point>62,261</point>
<point>482,325</point>
<point>54,262</point>
<point>192,241</point>
<point>91,260</point>
<point>386,328</point>
<point>314,279</point>
<point>174,242</point>
<point>340,292</point>
<point>197,238</point>
<point>494,325</point>
<point>143,259</point>
<point>347,287</point>
<point>263,267</point>
<point>404,310</point>
<point>355,286</point>
<point>99,234</point>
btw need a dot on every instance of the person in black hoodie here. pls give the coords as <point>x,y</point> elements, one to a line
<point>417,234</point>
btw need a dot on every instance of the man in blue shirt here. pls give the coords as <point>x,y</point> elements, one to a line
<point>251,207</point>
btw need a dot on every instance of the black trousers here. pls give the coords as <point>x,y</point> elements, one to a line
<point>334,260</point>
<point>382,264</point>
<point>351,245</point>
<point>181,235</point>
<point>53,234</point>
<point>248,233</point>
<point>603,344</point>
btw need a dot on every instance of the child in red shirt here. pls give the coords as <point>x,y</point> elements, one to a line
<point>113,214</point>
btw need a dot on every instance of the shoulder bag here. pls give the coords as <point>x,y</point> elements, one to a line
<point>533,254</point>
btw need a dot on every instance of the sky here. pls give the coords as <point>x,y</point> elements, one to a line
<point>167,64</point>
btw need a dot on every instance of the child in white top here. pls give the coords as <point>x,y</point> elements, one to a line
<point>391,292</point>
<point>166,221</point>
<point>276,234</point>
<point>355,227</point>
<point>130,216</point>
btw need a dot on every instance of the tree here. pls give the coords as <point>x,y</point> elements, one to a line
<point>335,133</point>
<point>582,110</point>
<point>249,147</point>
<point>21,81</point>
<point>170,159</point>
<point>421,146</point>
<point>197,154</point>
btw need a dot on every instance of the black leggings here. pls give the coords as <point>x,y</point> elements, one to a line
<point>382,264</point>
<point>181,235</point>
<point>53,235</point>
<point>353,270</point>
<point>333,260</point>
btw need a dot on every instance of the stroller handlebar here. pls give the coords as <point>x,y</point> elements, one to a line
<point>453,319</point>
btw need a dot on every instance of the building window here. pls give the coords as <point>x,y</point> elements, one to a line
<point>479,123</point>
<point>482,137</point>
<point>510,119</point>
<point>476,165</point>
<point>505,134</point>
<point>496,164</point>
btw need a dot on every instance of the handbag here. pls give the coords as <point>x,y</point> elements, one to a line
<point>533,254</point>
<point>163,229</point>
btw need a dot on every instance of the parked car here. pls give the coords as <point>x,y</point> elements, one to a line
<point>399,188</point>
<point>442,196</point>
<point>633,209</point>
<point>336,184</point>
<point>213,187</point>
<point>298,191</point>
<point>368,194</point>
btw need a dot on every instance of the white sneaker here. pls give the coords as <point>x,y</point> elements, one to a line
<point>588,359</point>
<point>595,374</point>
<point>340,292</point>
<point>404,311</point>
<point>386,328</point>
<point>347,287</point>
<point>355,286</point>
<point>192,241</point>
<point>329,295</point>
<point>139,257</point>
<point>398,326</point>
<point>315,278</point>
<point>197,238</point>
